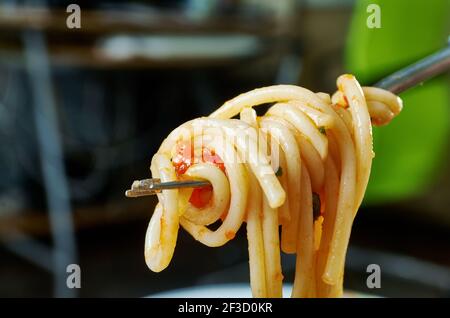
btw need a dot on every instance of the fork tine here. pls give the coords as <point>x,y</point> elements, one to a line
<point>153,186</point>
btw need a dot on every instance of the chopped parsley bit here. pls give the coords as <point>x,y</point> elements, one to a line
<point>279,172</point>
<point>322,130</point>
<point>316,205</point>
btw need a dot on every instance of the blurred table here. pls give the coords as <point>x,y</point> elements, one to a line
<point>38,40</point>
<point>149,38</point>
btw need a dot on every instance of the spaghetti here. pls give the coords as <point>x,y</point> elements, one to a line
<point>303,166</point>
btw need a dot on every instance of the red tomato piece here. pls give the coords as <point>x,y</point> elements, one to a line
<point>184,158</point>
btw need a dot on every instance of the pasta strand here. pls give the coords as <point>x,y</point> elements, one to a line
<point>303,167</point>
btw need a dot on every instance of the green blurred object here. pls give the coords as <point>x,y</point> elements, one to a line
<point>412,147</point>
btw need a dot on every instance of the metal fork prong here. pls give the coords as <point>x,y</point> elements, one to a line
<point>146,187</point>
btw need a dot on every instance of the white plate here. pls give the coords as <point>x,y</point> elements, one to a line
<point>229,291</point>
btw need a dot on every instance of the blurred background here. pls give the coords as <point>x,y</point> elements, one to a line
<point>83,110</point>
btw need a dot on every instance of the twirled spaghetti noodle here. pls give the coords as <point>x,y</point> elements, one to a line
<point>310,182</point>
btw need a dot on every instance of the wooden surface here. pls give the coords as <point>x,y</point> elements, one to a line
<point>81,47</point>
<point>112,21</point>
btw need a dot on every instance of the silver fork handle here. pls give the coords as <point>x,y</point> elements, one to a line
<point>426,68</point>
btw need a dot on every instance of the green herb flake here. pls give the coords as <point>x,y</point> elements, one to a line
<point>279,172</point>
<point>316,205</point>
<point>322,130</point>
